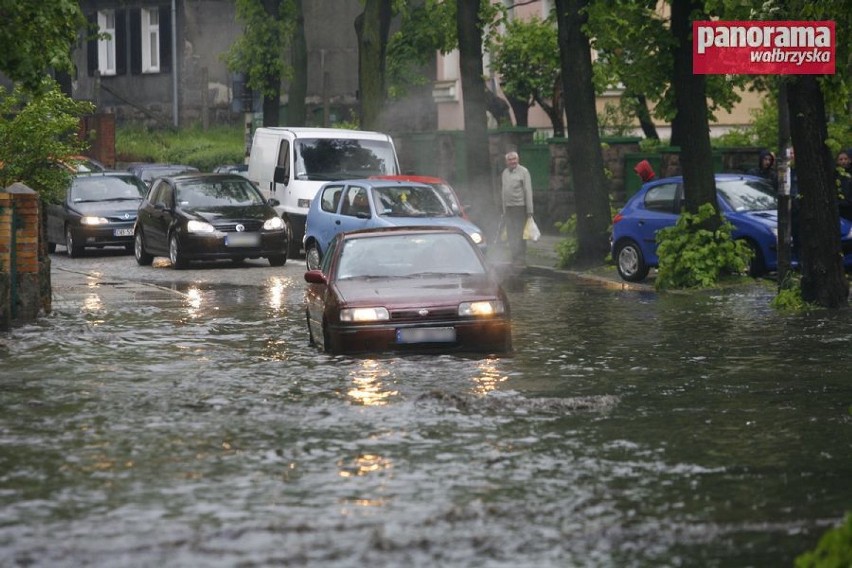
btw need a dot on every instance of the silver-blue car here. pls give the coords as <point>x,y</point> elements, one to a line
<point>350,205</point>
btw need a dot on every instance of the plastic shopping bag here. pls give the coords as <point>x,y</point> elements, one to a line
<point>531,232</point>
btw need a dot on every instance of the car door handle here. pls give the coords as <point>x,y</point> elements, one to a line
<point>337,221</point>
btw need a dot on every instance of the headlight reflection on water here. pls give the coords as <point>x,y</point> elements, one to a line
<point>367,379</point>
<point>489,375</point>
<point>193,302</point>
<point>276,293</point>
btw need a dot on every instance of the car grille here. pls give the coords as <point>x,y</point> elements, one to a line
<point>251,225</point>
<point>434,314</point>
<point>122,218</point>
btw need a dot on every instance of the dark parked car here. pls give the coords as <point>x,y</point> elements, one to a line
<point>350,205</point>
<point>240,169</point>
<point>208,217</point>
<point>99,210</point>
<point>747,202</point>
<point>149,172</point>
<point>406,288</point>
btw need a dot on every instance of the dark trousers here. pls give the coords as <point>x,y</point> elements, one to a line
<point>516,218</point>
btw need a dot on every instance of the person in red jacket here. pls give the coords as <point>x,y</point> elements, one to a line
<point>644,170</point>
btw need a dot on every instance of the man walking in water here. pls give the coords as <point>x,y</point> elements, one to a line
<point>517,206</point>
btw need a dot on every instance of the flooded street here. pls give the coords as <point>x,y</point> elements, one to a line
<point>193,425</point>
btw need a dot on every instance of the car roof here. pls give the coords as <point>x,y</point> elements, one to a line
<point>724,176</point>
<point>189,176</point>
<point>403,229</point>
<point>417,178</point>
<point>376,182</point>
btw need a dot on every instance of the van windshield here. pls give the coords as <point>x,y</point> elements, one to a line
<point>325,159</point>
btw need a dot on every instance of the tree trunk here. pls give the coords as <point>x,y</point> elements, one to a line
<point>480,186</point>
<point>644,117</point>
<point>584,144</point>
<point>372,27</point>
<point>823,279</point>
<point>272,103</point>
<point>521,110</point>
<point>696,154</point>
<point>296,113</point>
<point>555,109</point>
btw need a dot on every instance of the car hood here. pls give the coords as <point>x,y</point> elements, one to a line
<point>769,217</point>
<point>214,214</point>
<point>417,290</point>
<point>114,208</point>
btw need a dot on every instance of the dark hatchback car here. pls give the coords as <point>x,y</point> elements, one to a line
<point>99,210</point>
<point>149,172</point>
<point>404,289</point>
<point>208,217</point>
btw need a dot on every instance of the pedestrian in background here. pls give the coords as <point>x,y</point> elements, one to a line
<point>843,175</point>
<point>517,205</point>
<point>766,168</point>
<point>644,170</point>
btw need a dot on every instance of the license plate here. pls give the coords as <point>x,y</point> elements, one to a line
<point>426,335</point>
<point>123,232</point>
<point>242,240</point>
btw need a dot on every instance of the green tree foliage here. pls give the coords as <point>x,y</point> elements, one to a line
<point>259,52</point>
<point>427,27</point>
<point>36,132</point>
<point>692,256</point>
<point>36,37</point>
<point>526,57</point>
<point>834,549</point>
<point>634,50</point>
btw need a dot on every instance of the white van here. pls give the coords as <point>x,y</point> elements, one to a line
<point>291,164</point>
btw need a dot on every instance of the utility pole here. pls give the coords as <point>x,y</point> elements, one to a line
<point>785,240</point>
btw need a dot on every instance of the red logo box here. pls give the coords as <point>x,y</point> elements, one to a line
<point>763,48</point>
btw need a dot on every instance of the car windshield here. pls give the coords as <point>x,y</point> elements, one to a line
<point>325,159</point>
<point>748,195</point>
<point>104,188</point>
<point>410,201</point>
<point>408,256</point>
<point>219,193</point>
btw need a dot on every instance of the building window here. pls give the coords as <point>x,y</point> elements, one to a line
<point>150,40</point>
<point>106,45</point>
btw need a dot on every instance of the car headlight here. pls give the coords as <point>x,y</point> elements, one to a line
<point>273,224</point>
<point>93,220</point>
<point>476,237</point>
<point>482,308</point>
<point>364,314</point>
<point>304,203</point>
<point>193,226</point>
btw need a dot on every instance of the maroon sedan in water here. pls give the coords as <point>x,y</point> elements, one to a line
<point>406,288</point>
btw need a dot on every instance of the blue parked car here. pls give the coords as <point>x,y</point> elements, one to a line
<point>747,202</point>
<point>349,205</point>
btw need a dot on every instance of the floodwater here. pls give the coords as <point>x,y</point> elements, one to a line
<point>629,429</point>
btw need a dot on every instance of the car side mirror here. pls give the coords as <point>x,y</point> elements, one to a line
<point>315,277</point>
<point>272,202</point>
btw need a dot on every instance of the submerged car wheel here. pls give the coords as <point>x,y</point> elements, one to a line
<point>177,258</point>
<point>142,258</point>
<point>293,244</point>
<point>277,260</point>
<point>312,256</point>
<point>311,340</point>
<point>72,248</point>
<point>756,266</point>
<point>631,262</point>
